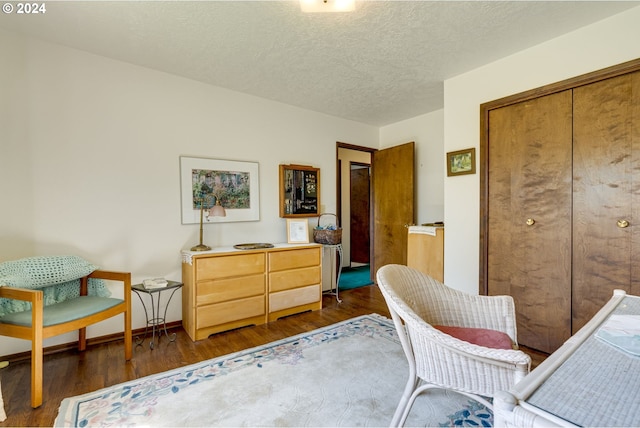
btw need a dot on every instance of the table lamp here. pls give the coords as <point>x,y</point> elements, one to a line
<point>216,210</point>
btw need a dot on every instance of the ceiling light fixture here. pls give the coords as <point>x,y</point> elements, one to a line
<point>327,5</point>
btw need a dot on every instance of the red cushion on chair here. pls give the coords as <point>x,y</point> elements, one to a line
<point>479,336</point>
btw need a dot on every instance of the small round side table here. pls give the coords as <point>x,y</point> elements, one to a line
<point>156,322</point>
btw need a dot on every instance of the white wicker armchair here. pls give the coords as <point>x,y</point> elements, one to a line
<point>417,302</point>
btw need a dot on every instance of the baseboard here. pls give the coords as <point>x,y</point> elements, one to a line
<point>99,340</point>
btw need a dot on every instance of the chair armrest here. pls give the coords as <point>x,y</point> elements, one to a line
<point>124,277</point>
<point>491,355</point>
<point>112,275</point>
<point>20,294</point>
<point>36,297</point>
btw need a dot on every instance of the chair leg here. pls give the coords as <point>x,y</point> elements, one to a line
<point>36,373</point>
<point>82,339</point>
<point>402,405</point>
<point>128,350</point>
<point>412,399</point>
<point>413,381</point>
<point>36,350</point>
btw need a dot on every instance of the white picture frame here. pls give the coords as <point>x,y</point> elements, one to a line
<point>297,231</point>
<point>234,183</point>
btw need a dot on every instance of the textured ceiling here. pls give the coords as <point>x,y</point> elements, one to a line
<point>383,63</point>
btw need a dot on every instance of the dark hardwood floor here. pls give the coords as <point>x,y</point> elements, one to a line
<point>72,373</point>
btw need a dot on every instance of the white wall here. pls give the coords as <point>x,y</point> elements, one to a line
<point>606,43</point>
<point>427,132</point>
<point>90,152</point>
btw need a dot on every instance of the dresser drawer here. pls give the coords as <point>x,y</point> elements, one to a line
<point>229,266</point>
<point>221,290</point>
<point>289,279</point>
<point>221,313</point>
<point>291,298</point>
<point>282,260</point>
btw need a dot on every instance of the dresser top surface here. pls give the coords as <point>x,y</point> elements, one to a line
<point>231,249</point>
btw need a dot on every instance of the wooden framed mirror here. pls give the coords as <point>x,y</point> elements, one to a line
<point>299,191</point>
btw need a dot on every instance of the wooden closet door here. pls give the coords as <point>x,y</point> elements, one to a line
<point>606,192</point>
<point>529,215</point>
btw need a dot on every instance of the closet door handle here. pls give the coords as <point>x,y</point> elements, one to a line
<point>623,223</point>
<point>530,222</point>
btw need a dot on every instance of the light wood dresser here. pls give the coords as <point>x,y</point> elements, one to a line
<point>226,288</point>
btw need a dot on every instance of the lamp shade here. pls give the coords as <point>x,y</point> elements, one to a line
<point>217,210</point>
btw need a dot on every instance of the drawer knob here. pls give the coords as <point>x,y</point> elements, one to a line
<point>623,223</point>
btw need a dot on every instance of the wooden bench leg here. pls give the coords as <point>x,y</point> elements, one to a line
<point>82,339</point>
<point>127,335</point>
<point>36,375</point>
<point>36,352</point>
<point>36,365</point>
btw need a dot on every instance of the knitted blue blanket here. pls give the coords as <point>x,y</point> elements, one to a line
<point>57,276</point>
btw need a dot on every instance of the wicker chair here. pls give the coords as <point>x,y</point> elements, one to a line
<point>417,302</point>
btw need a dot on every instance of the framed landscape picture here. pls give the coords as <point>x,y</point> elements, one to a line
<point>461,162</point>
<point>234,184</point>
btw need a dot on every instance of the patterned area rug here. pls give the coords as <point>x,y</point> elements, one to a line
<point>347,374</point>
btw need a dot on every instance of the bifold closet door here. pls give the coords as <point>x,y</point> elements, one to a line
<point>606,246</point>
<point>529,215</point>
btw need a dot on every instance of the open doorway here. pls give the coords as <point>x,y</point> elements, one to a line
<point>391,205</point>
<point>354,213</point>
<point>360,210</point>
<point>353,205</point>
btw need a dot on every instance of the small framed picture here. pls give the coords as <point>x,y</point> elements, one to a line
<point>297,231</point>
<point>461,162</point>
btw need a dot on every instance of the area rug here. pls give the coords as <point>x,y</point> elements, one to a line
<point>348,374</point>
<point>354,277</point>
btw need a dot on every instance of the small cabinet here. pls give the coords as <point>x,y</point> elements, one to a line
<point>425,250</point>
<point>299,191</point>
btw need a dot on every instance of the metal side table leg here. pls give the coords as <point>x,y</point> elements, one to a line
<point>335,249</point>
<point>171,338</point>
<point>339,251</point>
<point>157,323</point>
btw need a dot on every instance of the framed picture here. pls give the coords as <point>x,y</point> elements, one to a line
<point>205,182</point>
<point>461,162</point>
<point>297,231</point>
<point>299,191</point>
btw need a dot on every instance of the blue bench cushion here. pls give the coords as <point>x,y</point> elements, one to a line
<point>66,311</point>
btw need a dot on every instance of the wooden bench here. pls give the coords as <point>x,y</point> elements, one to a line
<point>42,322</point>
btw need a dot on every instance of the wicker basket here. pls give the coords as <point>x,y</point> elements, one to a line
<point>327,236</point>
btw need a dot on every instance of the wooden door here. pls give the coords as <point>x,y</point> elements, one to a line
<point>529,216</point>
<point>606,192</point>
<point>392,179</point>
<point>360,212</point>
